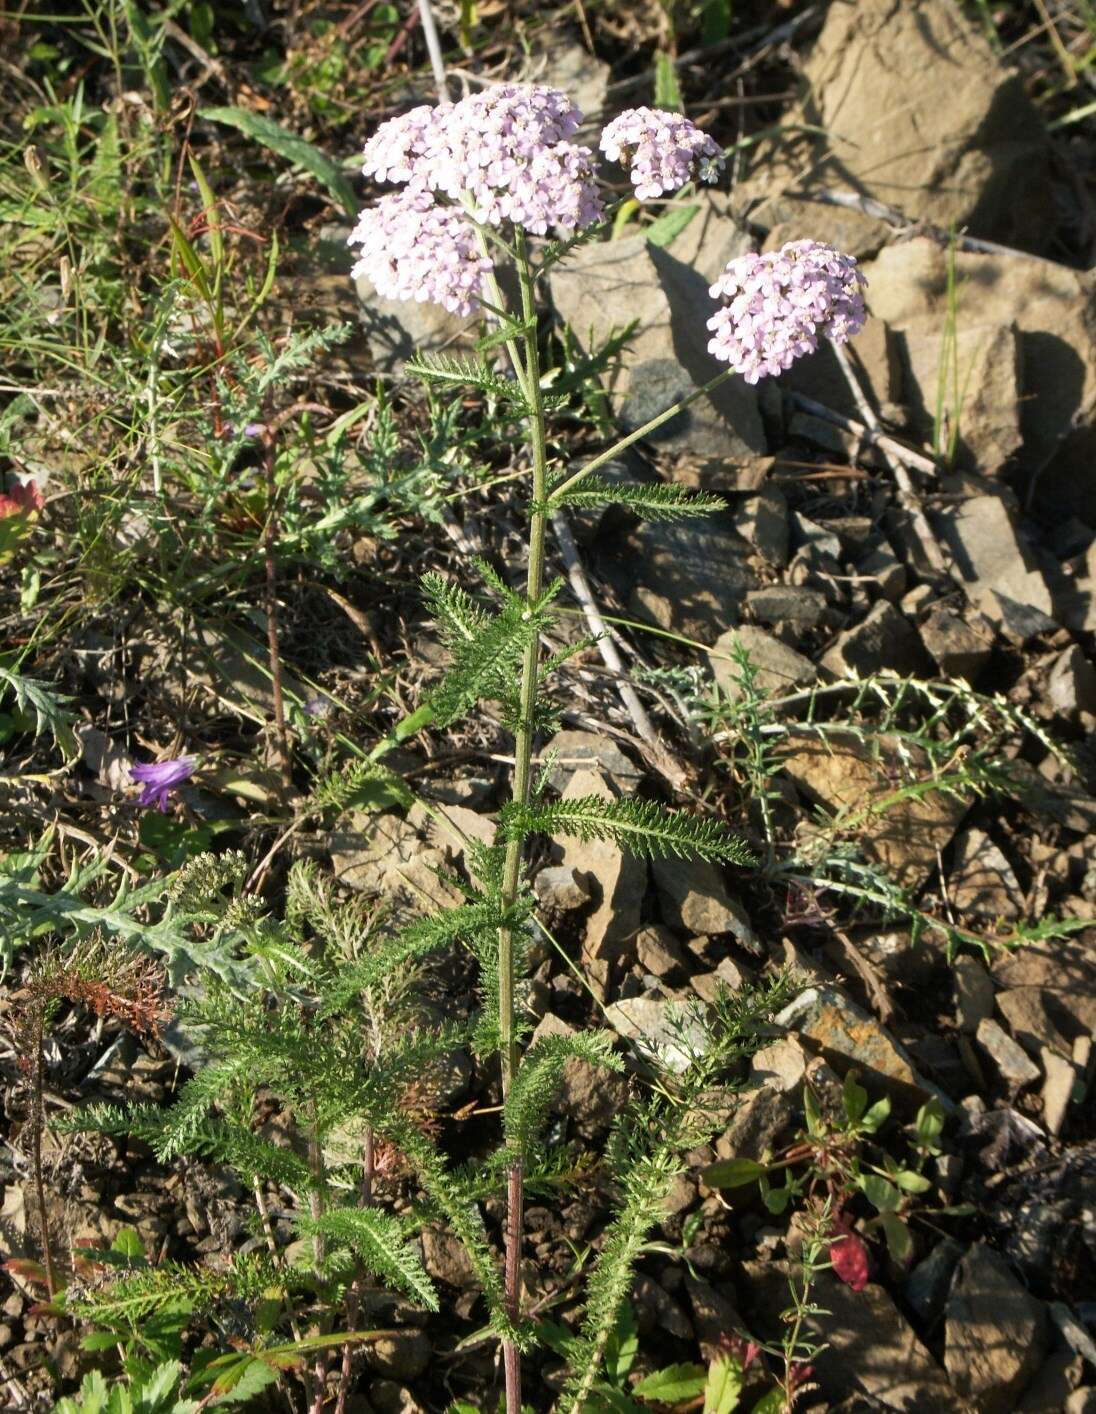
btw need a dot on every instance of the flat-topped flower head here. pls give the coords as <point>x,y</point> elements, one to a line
<point>780,304</point>
<point>412,248</point>
<point>664,150</point>
<point>503,154</point>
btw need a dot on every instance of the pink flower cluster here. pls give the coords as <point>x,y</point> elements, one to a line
<point>501,153</point>
<point>664,150</point>
<point>412,248</point>
<point>779,304</point>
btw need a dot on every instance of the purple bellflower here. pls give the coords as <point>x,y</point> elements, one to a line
<point>160,777</point>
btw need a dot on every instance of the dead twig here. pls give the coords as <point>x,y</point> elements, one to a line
<point>580,587</point>
<point>906,489</point>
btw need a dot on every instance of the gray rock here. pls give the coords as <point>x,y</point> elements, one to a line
<point>1071,686</point>
<point>570,67</point>
<point>656,1310</point>
<point>1032,1017</point>
<point>926,1287</point>
<point>727,977</point>
<point>998,571</point>
<point>385,854</point>
<point>905,837</point>
<point>974,993</point>
<point>1065,969</point>
<point>1050,307</point>
<point>832,1024</point>
<point>883,639</point>
<point>658,951</point>
<point>759,1119</point>
<point>694,898</point>
<point>1013,1066</point>
<point>887,570</point>
<point>396,330</point>
<point>445,1259</point>
<point>959,649</point>
<point>995,1334</point>
<point>690,576</point>
<point>604,286</point>
<point>1061,1077</point>
<point>578,750</point>
<point>762,520</point>
<point>785,218</point>
<point>870,1348</point>
<point>560,890</point>
<point>787,603</point>
<point>981,879</point>
<point>780,1066</point>
<point>388,1397</point>
<point>666,1032</point>
<point>403,1355</point>
<point>714,1314</point>
<point>590,1097</point>
<point>616,880</point>
<point>779,668</point>
<point>979,160</point>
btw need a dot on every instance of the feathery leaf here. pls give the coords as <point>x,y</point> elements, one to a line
<point>642,826</point>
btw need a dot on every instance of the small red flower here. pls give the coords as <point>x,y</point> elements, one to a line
<point>849,1256</point>
<point>24,498</point>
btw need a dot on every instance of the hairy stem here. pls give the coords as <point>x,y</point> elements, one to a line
<point>37,1121</point>
<point>270,538</point>
<point>523,753</point>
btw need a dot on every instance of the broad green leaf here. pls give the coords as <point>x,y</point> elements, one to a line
<point>667,88</point>
<point>771,1403</point>
<point>673,1383</point>
<point>878,1115</point>
<point>732,1173</point>
<point>715,25</point>
<point>929,1124</point>
<point>623,1344</point>
<point>724,1386</point>
<point>910,1182</point>
<point>854,1097</point>
<point>812,1113</point>
<point>667,227</point>
<point>288,145</point>
<point>899,1241</point>
<point>880,1192</point>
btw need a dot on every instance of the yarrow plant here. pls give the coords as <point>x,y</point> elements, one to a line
<point>480,178</point>
<point>479,181</point>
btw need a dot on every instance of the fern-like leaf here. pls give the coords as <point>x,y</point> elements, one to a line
<point>655,501</point>
<point>641,826</point>
<point>429,935</point>
<point>537,1080</point>
<point>377,1240</point>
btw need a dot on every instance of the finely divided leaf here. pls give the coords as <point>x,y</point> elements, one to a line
<point>377,1239</point>
<point>656,501</point>
<point>642,826</point>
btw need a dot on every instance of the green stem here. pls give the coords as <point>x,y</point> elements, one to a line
<point>641,432</point>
